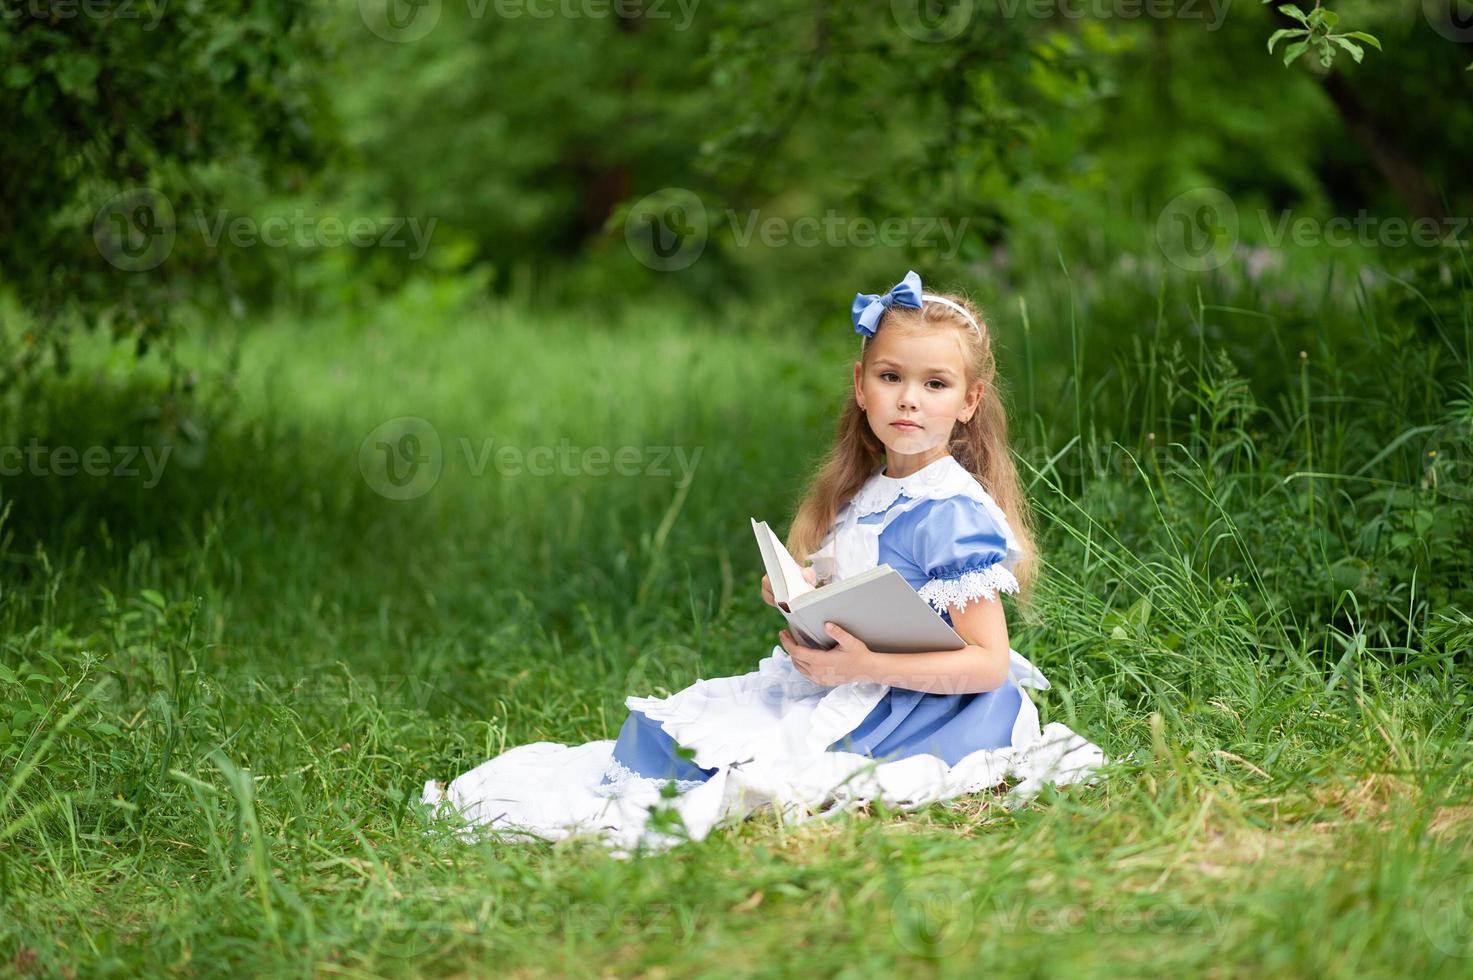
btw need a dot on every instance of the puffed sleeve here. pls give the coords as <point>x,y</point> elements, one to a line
<point>967,551</point>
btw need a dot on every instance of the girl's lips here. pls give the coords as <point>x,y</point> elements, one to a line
<point>905,425</point>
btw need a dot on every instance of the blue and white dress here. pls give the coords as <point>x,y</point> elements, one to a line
<point>774,738</point>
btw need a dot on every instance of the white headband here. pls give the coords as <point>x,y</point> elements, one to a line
<point>933,298</point>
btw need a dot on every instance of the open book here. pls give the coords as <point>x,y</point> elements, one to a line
<point>878,606</point>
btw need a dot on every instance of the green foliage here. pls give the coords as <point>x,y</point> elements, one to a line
<point>120,119</point>
<point>766,110</point>
<point>1316,32</point>
<point>783,106</point>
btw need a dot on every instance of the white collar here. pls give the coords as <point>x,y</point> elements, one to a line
<point>852,547</point>
<point>944,477</point>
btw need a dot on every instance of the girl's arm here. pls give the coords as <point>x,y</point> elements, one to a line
<point>980,666</point>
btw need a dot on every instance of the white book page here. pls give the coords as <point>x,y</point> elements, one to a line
<point>787,578</point>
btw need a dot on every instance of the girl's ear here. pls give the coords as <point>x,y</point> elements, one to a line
<point>974,399</point>
<point>858,374</point>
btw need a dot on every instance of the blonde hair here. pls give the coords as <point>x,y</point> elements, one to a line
<point>980,444</point>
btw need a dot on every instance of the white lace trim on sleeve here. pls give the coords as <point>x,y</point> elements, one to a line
<point>984,583</point>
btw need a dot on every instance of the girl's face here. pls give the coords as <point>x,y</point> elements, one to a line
<point>914,391</point>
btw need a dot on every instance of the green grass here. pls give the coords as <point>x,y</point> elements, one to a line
<point>224,693</point>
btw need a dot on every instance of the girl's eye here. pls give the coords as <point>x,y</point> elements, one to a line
<point>887,375</point>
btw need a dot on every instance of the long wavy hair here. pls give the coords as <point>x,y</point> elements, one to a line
<point>980,445</point>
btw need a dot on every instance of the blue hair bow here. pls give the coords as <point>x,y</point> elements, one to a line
<point>869,307</point>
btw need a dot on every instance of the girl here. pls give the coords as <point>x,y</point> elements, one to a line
<point>826,730</point>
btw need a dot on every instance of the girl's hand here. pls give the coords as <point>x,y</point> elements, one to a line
<point>808,573</point>
<point>851,660</point>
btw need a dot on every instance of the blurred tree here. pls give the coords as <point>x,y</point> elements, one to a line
<point>983,114</point>
<point>528,131</point>
<point>796,107</point>
<point>516,131</point>
<point>123,122</point>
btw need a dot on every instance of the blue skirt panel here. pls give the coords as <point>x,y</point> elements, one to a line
<point>950,726</point>
<point>646,749</point>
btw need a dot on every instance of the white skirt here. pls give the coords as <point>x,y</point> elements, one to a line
<point>766,733</point>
